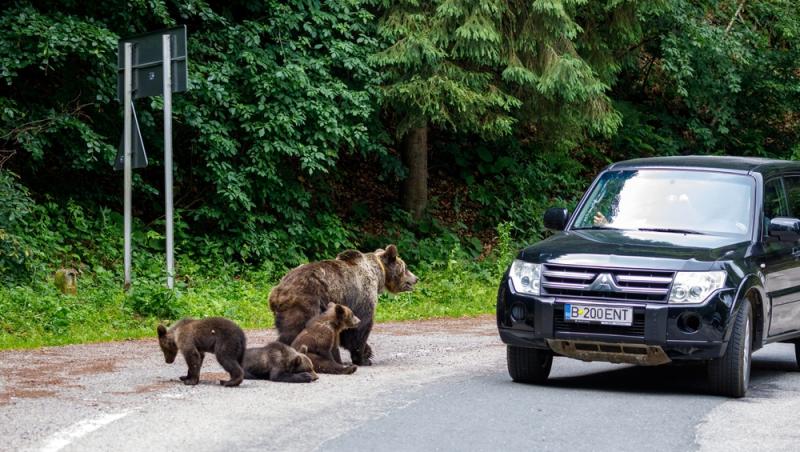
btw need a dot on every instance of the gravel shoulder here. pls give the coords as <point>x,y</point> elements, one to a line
<point>45,392</point>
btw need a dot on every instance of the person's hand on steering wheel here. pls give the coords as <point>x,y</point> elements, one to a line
<point>599,219</point>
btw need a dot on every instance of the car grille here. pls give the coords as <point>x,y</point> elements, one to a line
<point>620,284</point>
<point>636,329</point>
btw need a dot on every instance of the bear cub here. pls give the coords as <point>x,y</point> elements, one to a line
<point>278,362</point>
<point>194,338</point>
<point>321,339</point>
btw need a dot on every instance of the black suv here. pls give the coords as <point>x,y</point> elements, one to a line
<point>665,259</point>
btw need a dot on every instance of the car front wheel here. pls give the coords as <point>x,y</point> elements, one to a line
<point>797,353</point>
<point>730,374</point>
<point>528,365</point>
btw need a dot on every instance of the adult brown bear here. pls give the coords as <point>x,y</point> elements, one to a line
<point>353,279</point>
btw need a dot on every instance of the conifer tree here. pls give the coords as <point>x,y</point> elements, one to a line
<point>493,67</point>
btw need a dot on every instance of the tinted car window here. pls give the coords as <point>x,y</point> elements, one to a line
<point>792,186</point>
<point>774,202</point>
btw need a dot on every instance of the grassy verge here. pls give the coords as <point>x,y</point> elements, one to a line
<point>40,315</point>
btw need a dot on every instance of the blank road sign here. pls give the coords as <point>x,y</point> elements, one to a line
<point>138,155</point>
<point>147,63</point>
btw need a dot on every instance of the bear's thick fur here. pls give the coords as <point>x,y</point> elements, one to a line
<point>194,338</point>
<point>321,339</point>
<point>353,279</point>
<point>277,361</point>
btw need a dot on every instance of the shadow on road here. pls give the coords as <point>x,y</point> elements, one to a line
<point>670,379</point>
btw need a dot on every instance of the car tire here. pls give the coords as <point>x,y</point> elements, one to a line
<point>730,375</point>
<point>797,353</point>
<point>528,365</point>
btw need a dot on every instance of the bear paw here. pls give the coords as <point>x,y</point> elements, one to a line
<point>191,381</point>
<point>350,369</point>
<point>306,377</point>
<point>364,358</point>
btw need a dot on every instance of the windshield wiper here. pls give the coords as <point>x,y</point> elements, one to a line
<point>596,227</point>
<point>677,231</point>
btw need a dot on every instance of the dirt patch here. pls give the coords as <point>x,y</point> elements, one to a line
<point>466,326</point>
<point>99,366</point>
<point>147,388</point>
<point>32,393</point>
<point>46,372</point>
<point>213,377</point>
<point>153,387</point>
<point>8,396</point>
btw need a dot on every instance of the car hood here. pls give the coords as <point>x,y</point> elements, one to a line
<point>635,249</point>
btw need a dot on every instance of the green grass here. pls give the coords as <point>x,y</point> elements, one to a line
<point>40,315</point>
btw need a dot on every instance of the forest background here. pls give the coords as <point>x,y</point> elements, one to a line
<point>446,127</point>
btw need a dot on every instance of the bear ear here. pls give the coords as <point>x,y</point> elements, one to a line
<point>390,255</point>
<point>162,331</point>
<point>340,312</point>
<point>331,305</point>
<point>303,349</point>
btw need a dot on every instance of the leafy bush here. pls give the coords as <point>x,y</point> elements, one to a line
<point>151,299</point>
<point>19,249</point>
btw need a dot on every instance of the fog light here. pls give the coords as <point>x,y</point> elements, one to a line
<point>518,312</point>
<point>689,322</point>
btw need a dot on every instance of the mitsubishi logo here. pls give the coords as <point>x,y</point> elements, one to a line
<point>604,283</point>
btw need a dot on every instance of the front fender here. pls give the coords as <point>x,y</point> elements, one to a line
<point>751,283</point>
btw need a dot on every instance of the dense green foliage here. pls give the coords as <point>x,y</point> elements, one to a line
<point>284,88</point>
<point>287,143</point>
<point>710,81</point>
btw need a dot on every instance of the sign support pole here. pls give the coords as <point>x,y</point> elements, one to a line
<point>128,176</point>
<point>167,62</point>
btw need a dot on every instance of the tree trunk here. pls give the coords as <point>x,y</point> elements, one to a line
<point>415,157</point>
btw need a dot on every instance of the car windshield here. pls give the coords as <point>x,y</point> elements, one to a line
<point>671,201</point>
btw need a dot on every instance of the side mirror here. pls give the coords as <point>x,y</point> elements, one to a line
<point>556,218</point>
<point>784,229</point>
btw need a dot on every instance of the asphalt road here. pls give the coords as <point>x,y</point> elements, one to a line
<point>436,385</point>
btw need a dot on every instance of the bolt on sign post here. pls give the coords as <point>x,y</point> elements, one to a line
<point>149,64</point>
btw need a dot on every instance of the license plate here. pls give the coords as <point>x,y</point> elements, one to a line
<point>605,315</point>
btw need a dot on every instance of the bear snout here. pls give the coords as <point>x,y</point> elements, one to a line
<point>410,280</point>
<point>169,356</point>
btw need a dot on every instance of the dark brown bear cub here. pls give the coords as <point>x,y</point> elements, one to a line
<point>194,338</point>
<point>353,279</point>
<point>277,361</point>
<point>321,339</point>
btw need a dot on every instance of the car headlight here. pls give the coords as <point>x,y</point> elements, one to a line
<point>695,287</point>
<point>525,277</point>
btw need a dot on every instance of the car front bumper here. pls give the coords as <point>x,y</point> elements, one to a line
<point>682,332</point>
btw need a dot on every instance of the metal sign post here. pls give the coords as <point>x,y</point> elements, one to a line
<point>128,175</point>
<point>150,64</point>
<point>167,60</point>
